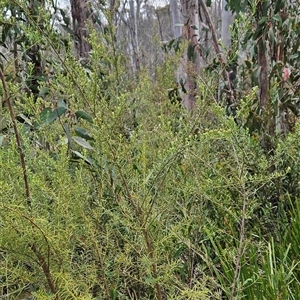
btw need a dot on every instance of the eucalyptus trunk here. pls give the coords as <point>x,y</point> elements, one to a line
<point>190,64</point>
<point>227,20</point>
<point>134,12</point>
<point>81,15</point>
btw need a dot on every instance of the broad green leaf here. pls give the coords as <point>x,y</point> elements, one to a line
<point>9,76</point>
<point>83,133</point>
<point>3,122</point>
<point>191,53</point>
<point>259,30</point>
<point>48,116</point>
<point>44,115</point>
<point>82,142</point>
<point>6,31</point>
<point>56,113</point>
<point>23,119</point>
<point>62,103</point>
<point>66,19</point>
<point>83,115</point>
<point>295,55</point>
<point>279,4</point>
<point>68,134</point>
<point>277,18</point>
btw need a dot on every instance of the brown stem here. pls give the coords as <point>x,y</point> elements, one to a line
<point>46,270</point>
<point>15,48</point>
<point>18,139</point>
<point>154,269</point>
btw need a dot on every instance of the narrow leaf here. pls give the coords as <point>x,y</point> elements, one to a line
<point>68,134</point>
<point>62,103</point>
<point>43,92</point>
<point>79,155</point>
<point>83,115</point>
<point>83,133</point>
<point>82,142</point>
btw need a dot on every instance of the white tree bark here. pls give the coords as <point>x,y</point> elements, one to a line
<point>227,20</point>
<point>134,12</point>
<point>176,18</point>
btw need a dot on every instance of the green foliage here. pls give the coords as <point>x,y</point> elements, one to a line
<point>132,197</point>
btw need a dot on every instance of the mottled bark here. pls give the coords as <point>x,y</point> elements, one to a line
<point>190,64</point>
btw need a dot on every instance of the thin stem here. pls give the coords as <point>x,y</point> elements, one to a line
<point>46,270</point>
<point>240,249</point>
<point>139,216</point>
<point>18,139</point>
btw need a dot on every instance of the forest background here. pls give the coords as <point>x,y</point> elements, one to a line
<point>149,151</point>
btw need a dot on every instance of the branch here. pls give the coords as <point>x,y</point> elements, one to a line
<point>18,139</point>
<point>217,48</point>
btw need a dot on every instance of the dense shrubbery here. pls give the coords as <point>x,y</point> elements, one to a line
<point>132,197</point>
<point>152,207</point>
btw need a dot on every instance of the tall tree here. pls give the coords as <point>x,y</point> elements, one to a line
<point>82,18</point>
<point>227,18</point>
<point>175,18</point>
<point>186,25</point>
<point>134,12</point>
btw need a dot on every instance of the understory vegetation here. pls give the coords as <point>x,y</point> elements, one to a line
<point>112,191</point>
<point>140,199</point>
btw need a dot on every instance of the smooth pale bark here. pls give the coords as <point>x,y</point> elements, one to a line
<point>134,12</point>
<point>227,20</point>
<point>190,64</point>
<point>175,18</point>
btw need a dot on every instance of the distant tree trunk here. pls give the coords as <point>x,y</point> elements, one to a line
<point>175,18</point>
<point>227,20</point>
<point>268,123</point>
<point>134,13</point>
<point>81,15</point>
<point>34,51</point>
<point>190,63</point>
